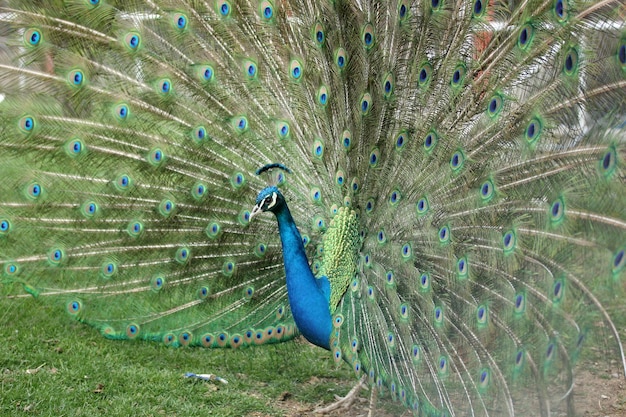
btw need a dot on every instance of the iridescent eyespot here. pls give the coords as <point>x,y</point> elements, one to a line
<point>422,206</point>
<point>250,69</point>
<point>26,124</point>
<point>570,63</point>
<point>157,282</point>
<point>404,311</point>
<point>424,74</point>
<point>403,10</point>
<point>525,36</point>
<point>213,230</point>
<point>367,36</point>
<point>180,21</point>
<point>166,207</point>
<point>558,290</point>
<point>244,217</point>
<point>374,157</point>
<point>557,211</point>
<point>74,147</point>
<point>319,223</point>
<point>355,185</point>
<point>381,237</point>
<point>237,180</point>
<point>248,292</point>
<point>164,86</point>
<point>406,251</point>
<point>394,197</point>
<point>223,8</point>
<point>240,124</point>
<point>260,249</point>
<point>282,129</point>
<point>198,134</point>
<point>266,10</point>
<point>438,315</point>
<point>89,208</point>
<point>135,228</point>
<point>108,269</point>
<point>322,96</point>
<point>11,268</point>
<point>388,85</point>
<point>519,359</point>
<point>479,8</point>
<point>315,194</point>
<point>346,139</point>
<point>619,261</point>
<point>34,190</point>
<point>533,131</point>
<point>341,58</point>
<point>366,103</point>
<point>430,141</point>
<point>123,182</point>
<point>205,73</point>
<point>425,282</point>
<point>182,255</point>
<point>495,105</point>
<point>74,307</point>
<point>132,41</point>
<point>483,379</point>
<point>295,69</point>
<point>5,226</point>
<point>444,234</point>
<point>203,292</point>
<point>560,10</point>
<point>121,111</point>
<point>458,76</point>
<point>156,156</point>
<point>367,260</point>
<point>457,160</point>
<point>56,256</point>
<point>32,37</point>
<point>487,191</point>
<point>132,331</point>
<point>318,148</point>
<point>462,268</point>
<point>520,303</point>
<point>608,162</point>
<point>76,78</point>
<point>482,315</point>
<point>318,34</point>
<point>228,268</point>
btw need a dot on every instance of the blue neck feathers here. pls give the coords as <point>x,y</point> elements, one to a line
<point>309,304</point>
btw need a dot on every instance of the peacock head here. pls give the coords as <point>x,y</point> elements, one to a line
<point>269,199</point>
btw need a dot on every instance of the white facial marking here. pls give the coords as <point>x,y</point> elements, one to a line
<point>273,203</point>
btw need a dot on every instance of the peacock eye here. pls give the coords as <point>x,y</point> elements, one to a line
<point>270,201</point>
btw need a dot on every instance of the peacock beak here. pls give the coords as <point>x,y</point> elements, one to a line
<point>255,210</point>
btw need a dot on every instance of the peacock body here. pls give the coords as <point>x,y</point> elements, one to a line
<point>451,222</point>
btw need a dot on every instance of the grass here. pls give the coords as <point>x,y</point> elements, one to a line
<point>52,365</point>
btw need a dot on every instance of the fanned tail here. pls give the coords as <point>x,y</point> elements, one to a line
<point>480,144</point>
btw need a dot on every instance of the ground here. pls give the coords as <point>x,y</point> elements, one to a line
<point>51,365</point>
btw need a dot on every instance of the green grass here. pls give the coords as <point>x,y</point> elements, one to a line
<point>79,373</point>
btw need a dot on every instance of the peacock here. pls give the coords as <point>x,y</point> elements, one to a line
<point>434,191</point>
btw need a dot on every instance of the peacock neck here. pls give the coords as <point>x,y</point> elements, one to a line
<point>309,304</point>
